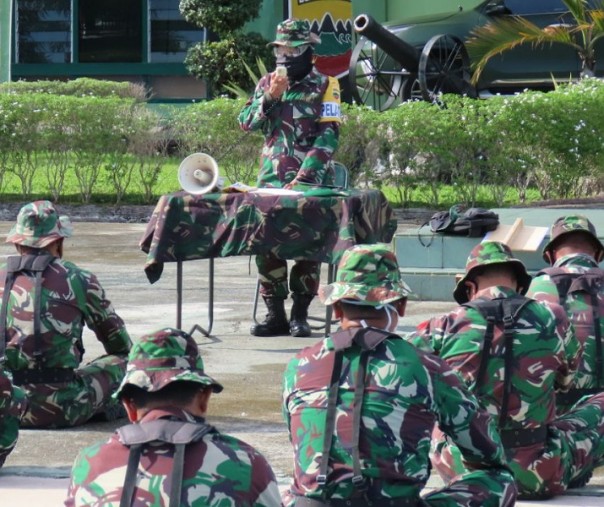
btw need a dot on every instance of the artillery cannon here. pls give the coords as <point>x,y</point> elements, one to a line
<point>386,69</point>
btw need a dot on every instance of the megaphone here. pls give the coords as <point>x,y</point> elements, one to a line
<point>198,173</point>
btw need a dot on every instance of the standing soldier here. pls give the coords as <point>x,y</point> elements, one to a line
<point>45,303</point>
<point>360,405</point>
<point>170,455</point>
<point>575,281</point>
<point>514,353</point>
<point>299,115</point>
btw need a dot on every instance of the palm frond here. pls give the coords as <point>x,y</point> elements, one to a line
<point>505,34</point>
<point>578,9</point>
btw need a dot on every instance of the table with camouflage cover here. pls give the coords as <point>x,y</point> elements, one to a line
<point>317,225</point>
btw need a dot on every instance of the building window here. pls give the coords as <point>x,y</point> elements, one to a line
<point>170,36</point>
<point>43,30</point>
<point>110,31</point>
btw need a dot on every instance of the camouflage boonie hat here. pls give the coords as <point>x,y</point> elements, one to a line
<point>38,225</point>
<point>572,223</point>
<point>166,356</point>
<point>488,253</point>
<point>294,33</point>
<point>367,273</point>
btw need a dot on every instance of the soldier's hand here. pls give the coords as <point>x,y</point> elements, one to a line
<point>278,86</point>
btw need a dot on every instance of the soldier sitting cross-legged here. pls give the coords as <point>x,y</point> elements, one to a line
<point>170,455</point>
<point>514,353</point>
<point>45,302</point>
<point>361,404</point>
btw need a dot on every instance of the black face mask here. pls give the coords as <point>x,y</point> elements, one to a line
<point>298,66</point>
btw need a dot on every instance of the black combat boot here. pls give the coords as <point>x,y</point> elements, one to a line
<point>298,326</point>
<point>275,323</point>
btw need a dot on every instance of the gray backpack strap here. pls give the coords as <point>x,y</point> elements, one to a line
<point>177,433</point>
<point>506,311</point>
<point>591,282</point>
<point>367,339</point>
<point>15,264</point>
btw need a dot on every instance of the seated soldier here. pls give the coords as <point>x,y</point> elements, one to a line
<point>361,404</point>
<point>45,303</point>
<point>514,353</point>
<point>170,455</point>
<point>575,281</point>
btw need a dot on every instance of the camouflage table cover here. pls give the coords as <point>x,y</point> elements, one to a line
<point>319,228</point>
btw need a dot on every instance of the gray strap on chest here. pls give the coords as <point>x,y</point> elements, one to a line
<point>506,311</point>
<point>177,433</point>
<point>36,264</point>
<point>590,282</point>
<point>367,339</point>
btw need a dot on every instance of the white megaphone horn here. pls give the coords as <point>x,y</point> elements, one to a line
<point>198,173</point>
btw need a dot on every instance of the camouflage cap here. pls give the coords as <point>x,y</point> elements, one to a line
<point>165,356</point>
<point>489,253</point>
<point>38,225</point>
<point>367,273</point>
<point>293,33</point>
<point>572,223</point>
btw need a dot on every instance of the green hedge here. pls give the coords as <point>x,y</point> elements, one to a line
<point>500,150</point>
<point>79,87</point>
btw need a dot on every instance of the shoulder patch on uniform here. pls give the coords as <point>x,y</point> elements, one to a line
<point>330,107</point>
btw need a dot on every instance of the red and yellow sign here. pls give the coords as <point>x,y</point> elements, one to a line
<point>332,20</point>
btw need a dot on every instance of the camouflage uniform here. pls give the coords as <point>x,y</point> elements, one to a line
<point>44,334</point>
<point>404,393</point>
<point>218,470</point>
<point>12,406</point>
<point>301,133</point>
<point>545,452</point>
<point>580,306</point>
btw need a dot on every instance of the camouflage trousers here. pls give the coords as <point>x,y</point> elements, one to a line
<point>491,488</point>
<point>73,403</point>
<point>12,406</point>
<point>573,448</point>
<point>272,272</point>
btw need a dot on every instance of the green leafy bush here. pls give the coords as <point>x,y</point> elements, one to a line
<point>498,151</point>
<point>80,87</point>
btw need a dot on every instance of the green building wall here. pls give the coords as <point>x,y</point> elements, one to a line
<point>272,12</point>
<point>5,38</point>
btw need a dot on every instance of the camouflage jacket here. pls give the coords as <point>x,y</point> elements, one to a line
<point>545,357</point>
<point>299,138</point>
<point>219,471</point>
<point>579,308</point>
<point>406,392</point>
<point>70,296</point>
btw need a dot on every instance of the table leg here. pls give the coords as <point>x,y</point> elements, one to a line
<point>210,299</point>
<point>178,295</point>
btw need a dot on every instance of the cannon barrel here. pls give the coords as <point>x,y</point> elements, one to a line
<point>402,52</point>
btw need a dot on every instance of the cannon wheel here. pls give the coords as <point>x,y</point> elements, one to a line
<point>373,81</point>
<point>444,67</point>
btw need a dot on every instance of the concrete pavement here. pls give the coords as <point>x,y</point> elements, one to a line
<point>249,367</point>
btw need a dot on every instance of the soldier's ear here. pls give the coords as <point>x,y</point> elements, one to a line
<point>337,310</point>
<point>548,255</point>
<point>131,410</point>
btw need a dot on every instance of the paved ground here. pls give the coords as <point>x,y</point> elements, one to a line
<point>250,368</point>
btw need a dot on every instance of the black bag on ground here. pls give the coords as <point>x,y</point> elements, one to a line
<point>474,222</point>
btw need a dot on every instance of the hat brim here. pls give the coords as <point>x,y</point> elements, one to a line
<point>377,296</point>
<point>65,230</point>
<point>460,294</point>
<point>152,381</point>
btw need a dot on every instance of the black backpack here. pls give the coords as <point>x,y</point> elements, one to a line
<point>473,223</point>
